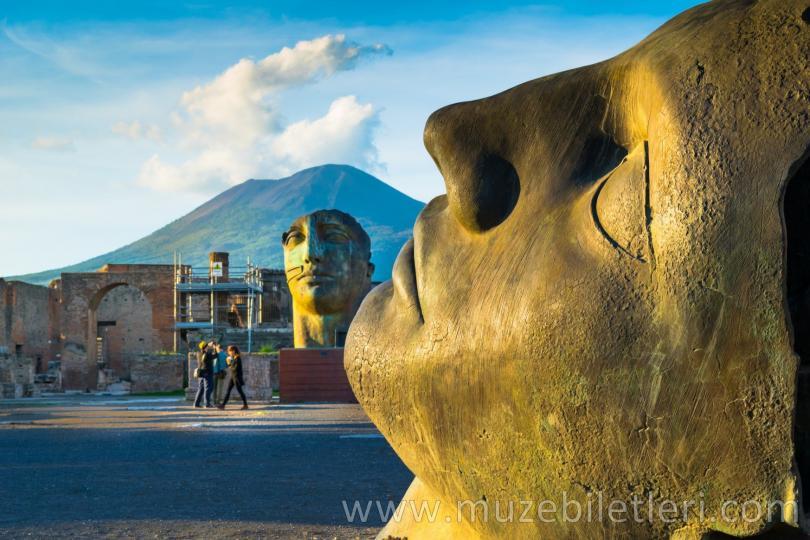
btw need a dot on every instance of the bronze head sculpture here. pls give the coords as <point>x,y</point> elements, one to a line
<point>327,261</point>
<point>598,305</point>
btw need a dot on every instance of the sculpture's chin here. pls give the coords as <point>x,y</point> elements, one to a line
<point>322,300</point>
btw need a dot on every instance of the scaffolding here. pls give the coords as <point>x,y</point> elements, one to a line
<point>215,298</point>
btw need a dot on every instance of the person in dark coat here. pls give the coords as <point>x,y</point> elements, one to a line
<point>235,368</point>
<point>205,374</point>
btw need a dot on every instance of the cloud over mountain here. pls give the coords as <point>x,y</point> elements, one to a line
<point>231,128</point>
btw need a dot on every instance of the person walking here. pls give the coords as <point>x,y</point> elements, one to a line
<point>220,370</point>
<point>205,374</point>
<point>235,367</point>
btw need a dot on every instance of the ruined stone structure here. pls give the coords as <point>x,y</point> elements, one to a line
<point>157,373</point>
<point>126,329</point>
<point>29,322</point>
<point>611,302</point>
<point>83,295</point>
<point>17,377</point>
<point>95,326</point>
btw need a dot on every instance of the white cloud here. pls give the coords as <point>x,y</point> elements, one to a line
<point>138,131</point>
<point>53,144</point>
<point>208,171</point>
<point>344,134</point>
<point>233,128</point>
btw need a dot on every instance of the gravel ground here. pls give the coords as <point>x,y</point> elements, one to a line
<point>101,467</point>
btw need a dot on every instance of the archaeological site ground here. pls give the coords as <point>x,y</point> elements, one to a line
<point>598,326</point>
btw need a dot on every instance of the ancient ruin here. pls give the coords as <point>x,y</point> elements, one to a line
<point>610,302</point>
<point>126,327</point>
<point>327,260</point>
<point>140,294</point>
<point>28,322</point>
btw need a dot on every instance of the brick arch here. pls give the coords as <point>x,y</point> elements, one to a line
<point>95,301</point>
<point>134,334</point>
<point>81,296</point>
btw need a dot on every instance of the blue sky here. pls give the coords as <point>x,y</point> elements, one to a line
<point>117,118</point>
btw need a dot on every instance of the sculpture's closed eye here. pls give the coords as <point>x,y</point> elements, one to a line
<point>335,234</point>
<point>620,208</point>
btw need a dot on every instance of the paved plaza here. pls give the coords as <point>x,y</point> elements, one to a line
<point>154,467</point>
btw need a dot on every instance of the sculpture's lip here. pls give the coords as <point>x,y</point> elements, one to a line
<point>403,276</point>
<point>315,275</point>
<point>310,278</point>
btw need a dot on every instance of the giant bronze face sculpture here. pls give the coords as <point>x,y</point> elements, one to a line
<point>326,259</point>
<point>598,308</point>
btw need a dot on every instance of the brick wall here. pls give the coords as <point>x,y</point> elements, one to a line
<point>27,323</point>
<point>82,294</point>
<point>5,318</point>
<point>132,335</point>
<point>156,373</point>
<point>16,377</point>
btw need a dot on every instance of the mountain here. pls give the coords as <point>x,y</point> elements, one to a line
<point>248,219</point>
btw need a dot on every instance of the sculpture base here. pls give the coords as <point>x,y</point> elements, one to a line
<point>313,375</point>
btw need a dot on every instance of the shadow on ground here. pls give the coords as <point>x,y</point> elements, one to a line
<point>187,467</point>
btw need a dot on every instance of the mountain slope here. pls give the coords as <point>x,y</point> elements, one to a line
<point>248,219</point>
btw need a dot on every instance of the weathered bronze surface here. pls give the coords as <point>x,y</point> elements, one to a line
<point>327,260</point>
<point>598,305</point>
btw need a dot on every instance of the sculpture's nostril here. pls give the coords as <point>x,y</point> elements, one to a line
<point>484,196</point>
<point>482,186</point>
<point>806,15</point>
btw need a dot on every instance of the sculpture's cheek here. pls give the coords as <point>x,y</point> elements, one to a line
<point>497,372</point>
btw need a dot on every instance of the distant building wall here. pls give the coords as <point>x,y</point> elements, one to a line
<point>28,326</point>
<point>276,301</point>
<point>82,295</point>
<point>5,318</point>
<point>130,306</point>
<point>157,373</point>
<point>199,308</point>
<point>125,326</point>
<point>16,377</point>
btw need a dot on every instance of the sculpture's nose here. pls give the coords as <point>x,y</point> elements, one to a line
<point>313,249</point>
<point>469,150</point>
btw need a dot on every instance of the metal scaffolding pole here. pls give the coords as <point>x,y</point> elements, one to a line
<point>175,313</point>
<point>236,295</point>
<point>249,280</point>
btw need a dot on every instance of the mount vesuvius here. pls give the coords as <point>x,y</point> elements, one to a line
<point>248,219</point>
